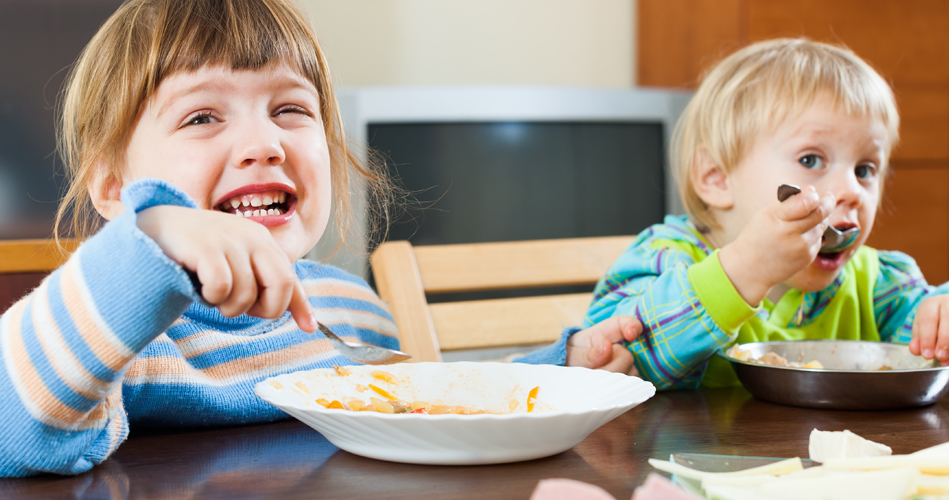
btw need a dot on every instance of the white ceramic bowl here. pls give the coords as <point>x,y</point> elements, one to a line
<point>571,403</point>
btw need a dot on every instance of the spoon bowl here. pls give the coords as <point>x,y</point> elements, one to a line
<point>363,353</point>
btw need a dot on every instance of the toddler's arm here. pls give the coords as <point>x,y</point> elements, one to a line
<point>66,345</point>
<point>908,310</point>
<point>688,310</point>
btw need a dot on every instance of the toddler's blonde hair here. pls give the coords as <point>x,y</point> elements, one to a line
<point>146,41</point>
<point>752,90</point>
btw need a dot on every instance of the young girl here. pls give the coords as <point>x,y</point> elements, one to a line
<point>742,266</point>
<point>207,134</point>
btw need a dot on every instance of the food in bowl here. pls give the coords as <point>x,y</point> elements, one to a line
<point>771,358</point>
<point>392,404</point>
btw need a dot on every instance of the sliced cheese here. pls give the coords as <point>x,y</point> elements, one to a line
<point>926,465</point>
<point>892,484</point>
<point>773,469</point>
<point>940,450</point>
<point>933,485</point>
<point>825,445</point>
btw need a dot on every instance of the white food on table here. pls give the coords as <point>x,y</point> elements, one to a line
<point>854,468</point>
<point>826,445</point>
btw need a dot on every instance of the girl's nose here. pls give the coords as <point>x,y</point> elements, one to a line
<point>260,146</point>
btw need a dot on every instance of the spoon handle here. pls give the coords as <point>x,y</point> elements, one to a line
<point>786,191</point>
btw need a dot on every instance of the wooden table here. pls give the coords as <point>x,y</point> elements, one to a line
<point>288,460</point>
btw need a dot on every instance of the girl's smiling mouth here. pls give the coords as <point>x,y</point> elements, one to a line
<point>267,204</point>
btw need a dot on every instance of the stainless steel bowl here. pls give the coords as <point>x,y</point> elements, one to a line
<point>852,378</point>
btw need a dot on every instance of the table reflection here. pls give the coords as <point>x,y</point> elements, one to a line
<point>288,460</point>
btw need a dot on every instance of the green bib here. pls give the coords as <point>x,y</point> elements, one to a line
<point>848,316</point>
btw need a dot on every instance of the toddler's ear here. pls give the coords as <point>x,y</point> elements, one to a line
<point>105,190</point>
<point>710,182</point>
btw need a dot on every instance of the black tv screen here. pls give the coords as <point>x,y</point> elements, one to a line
<point>503,181</point>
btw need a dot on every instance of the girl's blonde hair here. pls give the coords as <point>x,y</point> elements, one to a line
<point>146,41</point>
<point>751,91</point>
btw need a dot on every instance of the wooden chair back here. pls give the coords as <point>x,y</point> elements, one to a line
<point>406,275</point>
<point>24,264</point>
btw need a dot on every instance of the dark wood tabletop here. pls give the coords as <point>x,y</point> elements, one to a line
<point>288,460</point>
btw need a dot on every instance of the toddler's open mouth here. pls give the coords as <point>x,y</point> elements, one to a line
<point>270,207</point>
<point>831,259</point>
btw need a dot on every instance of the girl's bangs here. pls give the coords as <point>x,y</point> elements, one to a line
<point>231,33</point>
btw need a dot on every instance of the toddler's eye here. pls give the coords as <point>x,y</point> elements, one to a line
<point>200,119</point>
<point>812,162</point>
<point>865,171</point>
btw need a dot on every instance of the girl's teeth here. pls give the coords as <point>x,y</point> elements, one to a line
<point>268,200</point>
<point>255,202</point>
<point>235,203</point>
<point>245,203</point>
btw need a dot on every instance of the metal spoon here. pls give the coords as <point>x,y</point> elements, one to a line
<point>834,240</point>
<point>363,353</point>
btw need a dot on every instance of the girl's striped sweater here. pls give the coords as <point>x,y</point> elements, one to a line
<point>119,334</point>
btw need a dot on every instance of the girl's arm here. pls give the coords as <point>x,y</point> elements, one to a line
<point>688,310</point>
<point>65,346</point>
<point>899,291</point>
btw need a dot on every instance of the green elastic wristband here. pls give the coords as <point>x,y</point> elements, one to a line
<point>718,295</point>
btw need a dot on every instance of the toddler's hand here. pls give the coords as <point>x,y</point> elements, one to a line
<point>600,346</point>
<point>779,241</point>
<point>240,266</point>
<point>931,329</point>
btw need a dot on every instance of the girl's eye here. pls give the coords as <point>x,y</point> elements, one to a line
<point>293,109</point>
<point>865,171</point>
<point>812,162</point>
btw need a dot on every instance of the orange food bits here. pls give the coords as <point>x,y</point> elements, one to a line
<point>335,404</point>
<point>302,387</point>
<point>381,392</point>
<point>531,398</point>
<point>388,377</point>
<point>340,370</point>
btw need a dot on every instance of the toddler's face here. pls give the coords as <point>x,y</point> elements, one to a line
<point>829,150</point>
<point>249,143</point>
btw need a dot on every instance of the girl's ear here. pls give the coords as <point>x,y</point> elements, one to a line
<point>105,190</point>
<point>711,182</point>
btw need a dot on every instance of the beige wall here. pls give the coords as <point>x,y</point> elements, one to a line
<point>451,42</point>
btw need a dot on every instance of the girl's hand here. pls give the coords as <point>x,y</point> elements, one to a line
<point>931,329</point>
<point>778,242</point>
<point>600,346</point>
<point>239,265</point>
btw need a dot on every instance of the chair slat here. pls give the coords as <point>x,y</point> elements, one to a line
<point>399,284</point>
<point>30,256</point>
<point>505,322</point>
<point>519,264</point>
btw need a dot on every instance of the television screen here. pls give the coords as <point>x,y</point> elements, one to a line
<point>501,181</point>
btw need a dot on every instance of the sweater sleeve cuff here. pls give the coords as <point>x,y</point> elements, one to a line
<point>718,295</point>
<point>554,354</point>
<point>148,193</point>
